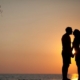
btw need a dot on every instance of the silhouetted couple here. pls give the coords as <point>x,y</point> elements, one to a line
<point>67,51</point>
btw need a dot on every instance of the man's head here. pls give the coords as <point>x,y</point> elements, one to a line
<point>68,30</point>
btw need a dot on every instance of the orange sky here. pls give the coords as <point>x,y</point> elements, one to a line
<point>30,34</point>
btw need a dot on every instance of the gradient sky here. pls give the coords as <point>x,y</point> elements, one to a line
<point>30,34</point>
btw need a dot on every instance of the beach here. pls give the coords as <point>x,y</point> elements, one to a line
<point>35,76</point>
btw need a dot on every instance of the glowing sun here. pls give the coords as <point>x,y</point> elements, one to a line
<point>73,51</point>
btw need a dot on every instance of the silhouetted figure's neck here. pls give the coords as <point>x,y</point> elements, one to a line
<point>66,42</point>
<point>67,34</point>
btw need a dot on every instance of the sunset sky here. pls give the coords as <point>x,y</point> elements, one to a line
<point>30,34</point>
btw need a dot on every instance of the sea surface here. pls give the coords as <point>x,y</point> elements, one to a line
<point>35,77</point>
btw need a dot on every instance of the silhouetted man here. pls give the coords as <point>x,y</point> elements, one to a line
<point>66,52</point>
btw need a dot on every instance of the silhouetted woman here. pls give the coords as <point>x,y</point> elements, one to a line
<point>76,44</point>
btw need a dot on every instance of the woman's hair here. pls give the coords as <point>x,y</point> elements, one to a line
<point>76,32</point>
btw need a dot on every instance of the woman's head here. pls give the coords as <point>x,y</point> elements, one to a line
<point>76,33</point>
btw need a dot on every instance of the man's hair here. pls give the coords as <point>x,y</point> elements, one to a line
<point>68,29</point>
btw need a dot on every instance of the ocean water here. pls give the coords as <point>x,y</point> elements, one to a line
<point>35,77</point>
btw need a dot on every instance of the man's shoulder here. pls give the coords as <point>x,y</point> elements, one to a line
<point>65,37</point>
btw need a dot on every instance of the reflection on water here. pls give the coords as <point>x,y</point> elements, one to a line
<point>74,77</point>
